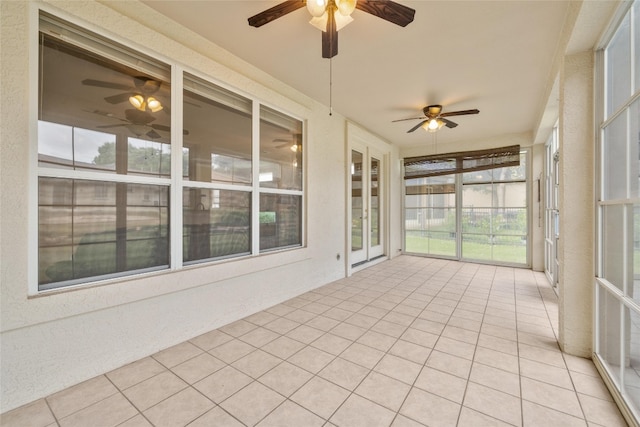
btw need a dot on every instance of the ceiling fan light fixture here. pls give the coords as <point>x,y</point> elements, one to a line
<point>138,102</point>
<point>346,7</point>
<point>153,104</point>
<point>317,7</point>
<point>433,125</point>
<point>321,21</point>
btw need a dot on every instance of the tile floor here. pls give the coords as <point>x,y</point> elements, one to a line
<point>408,342</point>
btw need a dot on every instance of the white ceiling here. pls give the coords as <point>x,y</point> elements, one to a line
<point>495,56</point>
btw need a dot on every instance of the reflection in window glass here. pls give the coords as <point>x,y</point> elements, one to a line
<point>217,126</point>
<point>92,107</point>
<point>430,215</point>
<point>149,157</point>
<point>357,206</point>
<point>618,59</point>
<point>216,223</point>
<point>608,347</point>
<point>96,228</point>
<point>280,150</point>
<point>374,214</point>
<point>280,221</point>
<point>615,158</point>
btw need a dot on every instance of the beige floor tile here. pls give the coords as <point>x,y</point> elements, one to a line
<point>316,308</point>
<point>111,411</point>
<point>232,350</point>
<point>344,373</point>
<point>261,318</point>
<point>460,334</point>
<point>362,355</point>
<point>177,354</point>
<point>536,415</point>
<point>36,414</point>
<point>80,396</point>
<point>361,320</point>
<point>372,311</point>
<point>199,367</point>
<point>545,342</point>
<point>211,339</point>
<point>383,390</point>
<point>216,417</point>
<point>179,409</point>
<point>332,344</point>
<point>603,412</point>
<point>416,336</point>
<point>285,378</point>
<point>389,328</point>
<point>546,373</point>
<point>399,318</point>
<point>455,347</point>
<point>237,328</point>
<point>497,359</point>
<point>498,344</point>
<point>305,334</point>
<point>538,354</point>
<point>500,332</point>
<point>283,347</point>
<point>311,359</point>
<point>252,403</point>
<point>320,397</point>
<point>338,314</point>
<point>410,351</point>
<point>429,409</point>
<point>493,403</point>
<point>359,412</point>
<point>300,316</point>
<point>282,325</point>
<point>399,368</point>
<point>551,396</point>
<point>290,414</point>
<point>402,421</point>
<point>351,306</point>
<point>377,340</point>
<point>135,372</point>
<point>256,364</point>
<point>280,310</point>
<point>137,421</point>
<point>222,384</point>
<point>449,363</point>
<point>471,418</point>
<point>323,323</point>
<point>259,337</point>
<point>149,392</point>
<point>581,364</point>
<point>428,326</point>
<point>592,386</point>
<point>442,384</point>
<point>495,378</point>
<point>347,331</point>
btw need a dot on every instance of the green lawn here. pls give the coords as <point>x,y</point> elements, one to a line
<point>510,253</point>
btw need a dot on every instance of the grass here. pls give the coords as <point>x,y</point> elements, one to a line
<point>471,250</point>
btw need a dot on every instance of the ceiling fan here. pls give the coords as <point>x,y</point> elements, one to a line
<point>434,118</point>
<point>138,122</point>
<point>140,95</point>
<point>331,15</point>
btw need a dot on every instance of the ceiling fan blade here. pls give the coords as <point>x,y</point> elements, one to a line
<point>108,85</point>
<point>459,113</point>
<point>449,123</point>
<point>153,134</point>
<point>117,99</point>
<point>275,12</point>
<point>330,38</point>
<point>388,10</point>
<point>110,126</point>
<point>412,118</point>
<point>160,127</point>
<point>417,126</point>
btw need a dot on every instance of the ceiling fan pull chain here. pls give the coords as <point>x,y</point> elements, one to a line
<point>330,86</point>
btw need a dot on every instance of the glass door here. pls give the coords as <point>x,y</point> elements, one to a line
<point>366,204</point>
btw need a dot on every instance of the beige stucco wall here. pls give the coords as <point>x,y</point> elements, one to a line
<point>51,341</point>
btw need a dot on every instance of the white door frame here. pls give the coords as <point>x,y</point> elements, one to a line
<point>356,260</point>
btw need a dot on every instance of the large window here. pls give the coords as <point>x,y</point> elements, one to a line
<point>113,177</point>
<point>618,269</point>
<point>478,216</point>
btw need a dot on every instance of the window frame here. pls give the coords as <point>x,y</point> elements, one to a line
<point>175,181</point>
